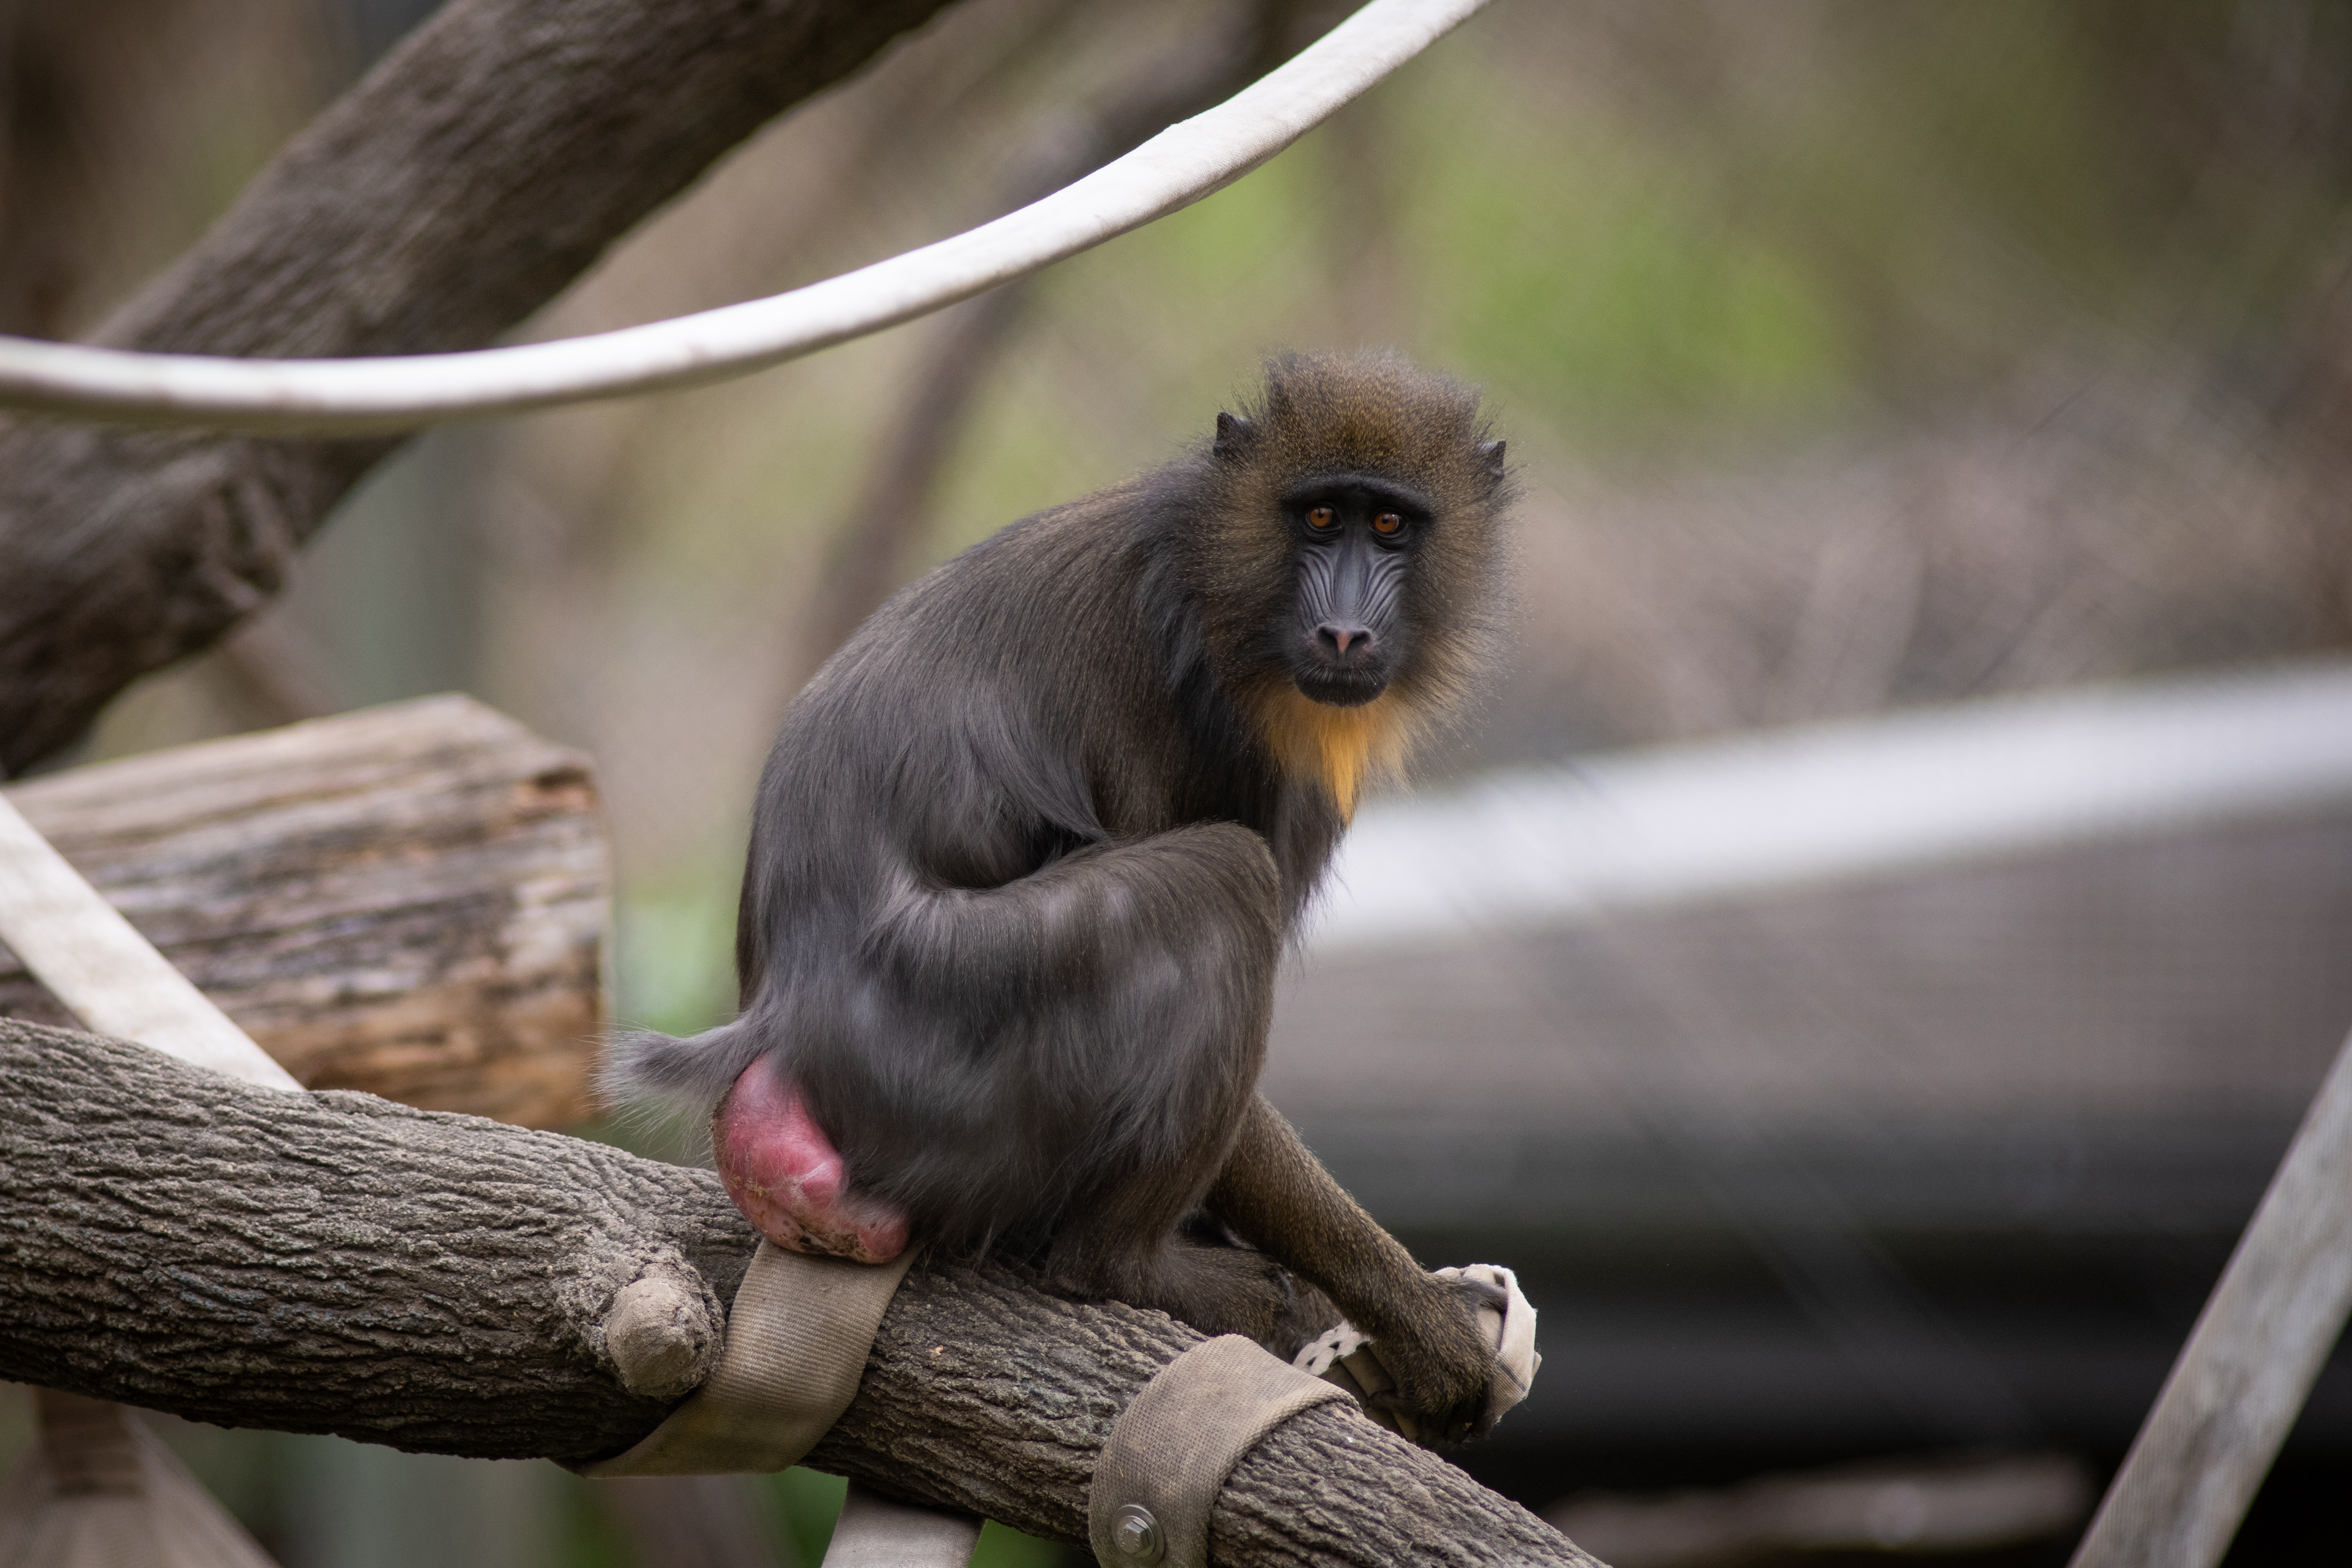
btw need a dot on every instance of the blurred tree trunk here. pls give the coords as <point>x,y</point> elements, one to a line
<point>60,92</point>
<point>115,116</point>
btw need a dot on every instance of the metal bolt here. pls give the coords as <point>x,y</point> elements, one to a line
<point>1137,1534</point>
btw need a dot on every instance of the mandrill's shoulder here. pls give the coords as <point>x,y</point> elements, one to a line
<point>1059,585</point>
<point>1072,543</point>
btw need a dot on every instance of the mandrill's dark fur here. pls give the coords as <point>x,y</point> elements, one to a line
<point>1027,849</point>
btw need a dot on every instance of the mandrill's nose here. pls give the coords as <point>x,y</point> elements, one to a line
<point>1350,640</point>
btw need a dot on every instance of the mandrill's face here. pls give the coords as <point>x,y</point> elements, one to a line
<point>1355,539</point>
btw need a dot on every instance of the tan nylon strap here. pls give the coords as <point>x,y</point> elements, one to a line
<point>1171,1449</point>
<point>797,1338</point>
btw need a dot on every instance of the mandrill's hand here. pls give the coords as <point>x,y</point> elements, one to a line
<point>1424,1329</point>
<point>1441,1359</point>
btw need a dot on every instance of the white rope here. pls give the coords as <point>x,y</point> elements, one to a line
<point>102,971</point>
<point>1179,166</point>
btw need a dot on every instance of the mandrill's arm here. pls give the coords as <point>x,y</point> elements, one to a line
<point>1277,1196</point>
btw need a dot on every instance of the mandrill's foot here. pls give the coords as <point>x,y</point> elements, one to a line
<point>1217,1287</point>
<point>786,1176</point>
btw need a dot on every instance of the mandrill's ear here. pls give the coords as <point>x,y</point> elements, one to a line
<point>1493,452</point>
<point>1234,432</point>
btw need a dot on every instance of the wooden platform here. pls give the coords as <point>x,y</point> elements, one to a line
<point>410,900</point>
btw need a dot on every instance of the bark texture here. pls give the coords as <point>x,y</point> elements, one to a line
<point>335,1263</point>
<point>477,170</point>
<point>407,900</point>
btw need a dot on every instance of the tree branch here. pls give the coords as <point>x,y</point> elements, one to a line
<point>475,171</point>
<point>336,1263</point>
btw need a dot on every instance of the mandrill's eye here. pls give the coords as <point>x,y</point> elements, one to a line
<point>1387,523</point>
<point>1320,517</point>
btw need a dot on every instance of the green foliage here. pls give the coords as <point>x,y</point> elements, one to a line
<point>673,948</point>
<point>1002,1546</point>
<point>805,1506</point>
<point>1616,297</point>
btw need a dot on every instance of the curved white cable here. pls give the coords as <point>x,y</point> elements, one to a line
<point>1181,164</point>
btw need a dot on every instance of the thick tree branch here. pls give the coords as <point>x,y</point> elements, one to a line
<point>475,171</point>
<point>336,1263</point>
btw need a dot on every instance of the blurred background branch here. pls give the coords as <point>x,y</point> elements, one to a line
<point>892,509</point>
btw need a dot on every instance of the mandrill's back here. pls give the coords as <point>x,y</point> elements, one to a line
<point>959,734</point>
<point>967,851</point>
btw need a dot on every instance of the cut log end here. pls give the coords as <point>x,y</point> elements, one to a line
<point>407,900</point>
<point>661,1337</point>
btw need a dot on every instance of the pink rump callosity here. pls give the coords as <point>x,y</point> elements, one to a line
<point>786,1176</point>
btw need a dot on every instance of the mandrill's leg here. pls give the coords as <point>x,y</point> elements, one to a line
<point>1128,1243</point>
<point>1277,1196</point>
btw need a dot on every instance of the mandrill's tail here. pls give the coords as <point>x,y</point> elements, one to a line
<point>691,1074</point>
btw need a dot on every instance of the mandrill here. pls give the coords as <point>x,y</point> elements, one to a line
<point>1027,850</point>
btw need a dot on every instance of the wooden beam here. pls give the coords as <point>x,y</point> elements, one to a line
<point>408,900</point>
<point>2250,1363</point>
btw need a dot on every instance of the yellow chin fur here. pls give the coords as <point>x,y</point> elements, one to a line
<point>1341,748</point>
